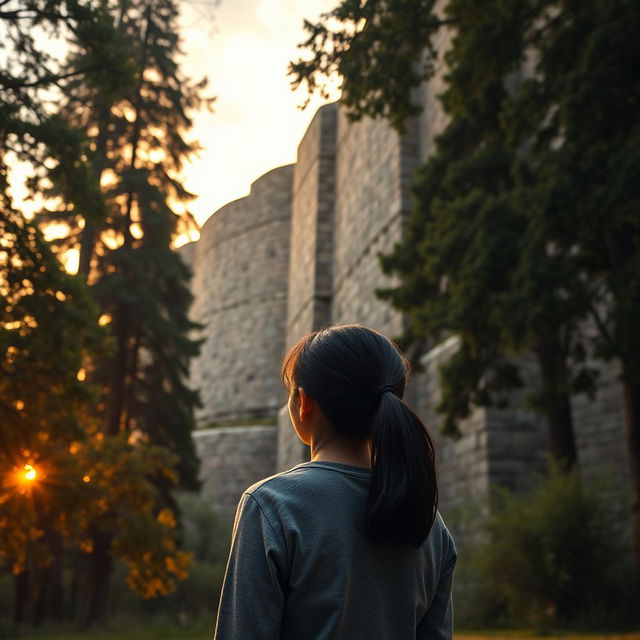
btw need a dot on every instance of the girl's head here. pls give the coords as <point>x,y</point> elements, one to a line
<point>358,376</point>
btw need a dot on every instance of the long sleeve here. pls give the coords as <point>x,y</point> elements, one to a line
<point>252,599</point>
<point>437,623</point>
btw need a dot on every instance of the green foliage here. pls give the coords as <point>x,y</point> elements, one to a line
<point>101,410</point>
<point>475,258</point>
<point>205,534</point>
<point>381,49</point>
<point>525,230</point>
<point>138,148</point>
<point>550,557</point>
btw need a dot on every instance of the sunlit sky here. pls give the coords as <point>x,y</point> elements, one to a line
<point>244,47</point>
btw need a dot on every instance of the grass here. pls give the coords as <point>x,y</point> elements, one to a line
<point>124,635</point>
<point>153,630</point>
<point>523,634</point>
<point>205,632</point>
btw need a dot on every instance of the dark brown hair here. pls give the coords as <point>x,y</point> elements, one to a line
<point>358,377</point>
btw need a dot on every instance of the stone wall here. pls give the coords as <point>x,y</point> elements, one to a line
<point>432,119</point>
<point>311,256</point>
<point>300,252</point>
<point>463,464</point>
<point>373,168</point>
<point>337,234</point>
<point>240,288</point>
<point>232,459</point>
<point>600,432</point>
<point>188,253</point>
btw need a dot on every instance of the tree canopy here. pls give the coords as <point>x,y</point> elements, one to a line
<point>104,126</point>
<point>524,232</point>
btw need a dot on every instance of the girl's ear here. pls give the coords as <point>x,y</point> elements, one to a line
<point>306,403</point>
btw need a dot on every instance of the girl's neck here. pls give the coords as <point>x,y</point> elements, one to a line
<point>356,454</point>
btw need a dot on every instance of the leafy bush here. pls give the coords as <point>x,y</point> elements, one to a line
<point>550,557</point>
<point>205,533</point>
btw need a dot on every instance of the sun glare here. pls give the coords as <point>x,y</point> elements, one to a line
<point>29,473</point>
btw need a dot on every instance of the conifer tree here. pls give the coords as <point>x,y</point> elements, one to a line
<point>141,285</point>
<point>138,148</point>
<point>525,222</point>
<point>461,258</point>
<point>579,115</point>
<point>108,161</point>
<point>33,78</point>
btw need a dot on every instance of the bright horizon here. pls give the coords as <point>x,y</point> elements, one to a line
<point>256,124</point>
<point>243,47</point>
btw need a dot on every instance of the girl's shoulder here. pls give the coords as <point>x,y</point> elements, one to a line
<point>310,487</point>
<point>309,474</point>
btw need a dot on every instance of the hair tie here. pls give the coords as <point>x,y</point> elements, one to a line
<point>383,389</point>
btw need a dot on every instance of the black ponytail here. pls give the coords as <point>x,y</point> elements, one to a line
<point>358,377</point>
<point>403,494</point>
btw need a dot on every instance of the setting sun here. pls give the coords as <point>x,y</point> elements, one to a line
<point>29,473</point>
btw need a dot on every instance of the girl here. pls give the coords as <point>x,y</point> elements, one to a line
<point>348,546</point>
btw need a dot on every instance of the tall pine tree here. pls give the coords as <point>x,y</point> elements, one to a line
<point>137,151</point>
<point>525,219</point>
<point>461,258</point>
<point>108,157</point>
<point>579,115</point>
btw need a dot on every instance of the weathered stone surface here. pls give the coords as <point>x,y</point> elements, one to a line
<point>300,252</point>
<point>240,287</point>
<point>373,168</point>
<point>311,255</point>
<point>233,458</point>
<point>188,253</point>
<point>600,433</point>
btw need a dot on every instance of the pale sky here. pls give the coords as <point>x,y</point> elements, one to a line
<point>244,48</point>
<point>256,125</point>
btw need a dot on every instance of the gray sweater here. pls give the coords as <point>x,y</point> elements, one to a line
<point>300,569</point>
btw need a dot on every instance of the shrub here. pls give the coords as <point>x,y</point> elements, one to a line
<point>552,556</point>
<point>205,533</point>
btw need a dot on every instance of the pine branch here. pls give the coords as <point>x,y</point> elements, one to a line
<point>12,83</point>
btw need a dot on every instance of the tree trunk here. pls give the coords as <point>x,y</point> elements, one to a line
<point>43,587</point>
<point>118,380</point>
<point>21,596</point>
<point>631,392</point>
<point>88,236</point>
<point>118,374</point>
<point>77,566</point>
<point>557,404</point>
<point>98,578</point>
<point>48,581</point>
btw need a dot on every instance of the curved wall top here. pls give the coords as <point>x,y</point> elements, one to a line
<point>374,166</point>
<point>240,295</point>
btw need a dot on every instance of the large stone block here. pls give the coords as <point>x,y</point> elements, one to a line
<point>240,289</point>
<point>232,459</point>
